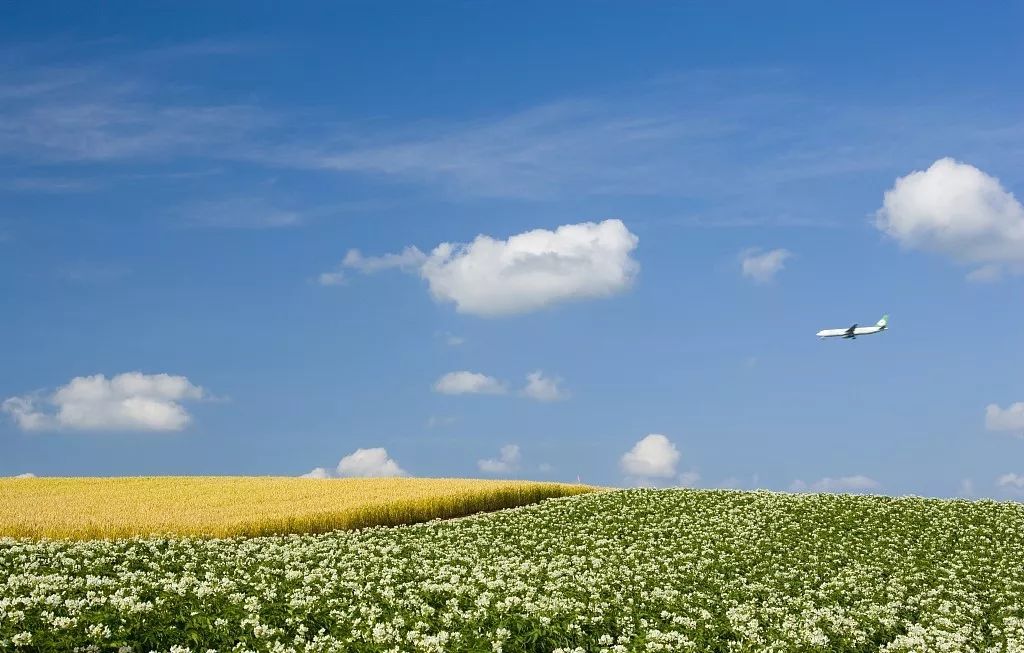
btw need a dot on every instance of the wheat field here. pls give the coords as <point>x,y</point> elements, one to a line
<point>204,506</point>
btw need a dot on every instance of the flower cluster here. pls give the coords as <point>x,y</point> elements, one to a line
<point>635,570</point>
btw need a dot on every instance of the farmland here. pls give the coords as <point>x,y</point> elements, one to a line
<point>84,508</point>
<point>610,572</point>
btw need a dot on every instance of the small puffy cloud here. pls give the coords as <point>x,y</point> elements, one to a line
<point>331,278</point>
<point>316,472</point>
<point>25,475</point>
<point>1013,482</point>
<point>463,383</point>
<point>762,266</point>
<point>506,463</point>
<point>654,456</point>
<point>1009,419</point>
<point>369,462</point>
<point>857,483</point>
<point>132,402</point>
<point>955,209</point>
<point>543,388</point>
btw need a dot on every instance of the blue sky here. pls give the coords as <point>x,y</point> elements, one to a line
<point>181,185</point>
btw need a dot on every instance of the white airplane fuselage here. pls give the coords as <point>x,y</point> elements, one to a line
<point>849,333</point>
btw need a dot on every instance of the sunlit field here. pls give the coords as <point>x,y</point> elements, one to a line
<point>608,572</point>
<point>85,508</point>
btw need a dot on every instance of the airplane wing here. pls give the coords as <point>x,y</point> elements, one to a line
<point>851,329</point>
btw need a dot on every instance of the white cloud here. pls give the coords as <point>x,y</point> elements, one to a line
<point>130,401</point>
<point>654,456</point>
<point>543,388</point>
<point>455,341</point>
<point>463,382</point>
<point>1013,482</point>
<point>840,484</point>
<point>331,278</point>
<point>369,462</point>
<point>956,209</point>
<point>409,259</point>
<point>25,475</point>
<point>763,266</point>
<point>316,472</point>
<point>533,270</point>
<point>1010,418</point>
<point>76,113</point>
<point>506,463</point>
<point>527,272</point>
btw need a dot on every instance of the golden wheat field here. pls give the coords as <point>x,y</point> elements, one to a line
<point>204,506</point>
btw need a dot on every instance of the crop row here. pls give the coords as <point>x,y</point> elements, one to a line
<point>637,570</point>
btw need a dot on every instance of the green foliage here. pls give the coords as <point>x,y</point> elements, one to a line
<point>637,570</point>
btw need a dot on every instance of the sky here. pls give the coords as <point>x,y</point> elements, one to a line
<point>559,241</point>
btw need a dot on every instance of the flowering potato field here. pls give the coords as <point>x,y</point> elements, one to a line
<point>636,570</point>
<point>84,508</point>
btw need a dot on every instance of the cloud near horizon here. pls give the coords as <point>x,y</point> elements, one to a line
<point>363,463</point>
<point>506,463</point>
<point>369,463</point>
<point>653,457</point>
<point>527,272</point>
<point>132,401</point>
<point>1013,482</point>
<point>955,209</point>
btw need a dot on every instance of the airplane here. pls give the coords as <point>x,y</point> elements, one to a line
<point>854,331</point>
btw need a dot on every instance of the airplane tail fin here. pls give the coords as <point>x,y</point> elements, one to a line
<point>884,322</point>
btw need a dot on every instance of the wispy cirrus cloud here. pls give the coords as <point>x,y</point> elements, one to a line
<point>855,483</point>
<point>240,213</point>
<point>740,141</point>
<point>59,112</point>
<point>89,273</point>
